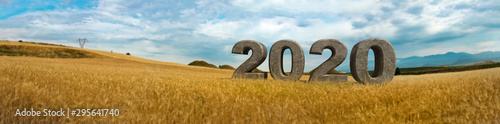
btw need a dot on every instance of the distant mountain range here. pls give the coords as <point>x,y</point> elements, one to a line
<point>447,59</point>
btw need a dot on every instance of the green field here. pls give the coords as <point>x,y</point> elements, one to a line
<point>429,70</point>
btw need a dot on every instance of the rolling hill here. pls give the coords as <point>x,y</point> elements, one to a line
<point>149,91</point>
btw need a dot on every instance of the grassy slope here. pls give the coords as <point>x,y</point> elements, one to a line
<point>152,91</point>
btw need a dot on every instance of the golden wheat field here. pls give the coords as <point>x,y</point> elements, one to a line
<point>148,91</point>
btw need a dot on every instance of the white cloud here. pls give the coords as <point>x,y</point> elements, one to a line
<point>486,43</point>
<point>113,6</point>
<point>270,30</point>
<point>167,24</point>
<point>228,49</point>
<point>221,30</point>
<point>11,32</point>
<point>307,6</point>
<point>207,29</point>
<point>187,12</point>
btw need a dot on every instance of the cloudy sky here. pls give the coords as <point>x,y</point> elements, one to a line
<point>183,31</point>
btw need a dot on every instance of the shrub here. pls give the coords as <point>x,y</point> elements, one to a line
<point>226,67</point>
<point>128,54</point>
<point>20,40</point>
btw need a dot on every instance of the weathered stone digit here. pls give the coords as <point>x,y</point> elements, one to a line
<point>259,54</point>
<point>385,61</point>
<point>339,52</point>
<point>276,60</point>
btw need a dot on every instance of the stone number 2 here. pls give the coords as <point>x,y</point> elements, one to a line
<point>385,60</point>
<point>259,53</point>
<point>339,52</point>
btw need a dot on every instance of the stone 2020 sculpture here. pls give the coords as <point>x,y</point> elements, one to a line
<point>385,60</point>
<point>259,53</point>
<point>276,60</point>
<point>339,52</point>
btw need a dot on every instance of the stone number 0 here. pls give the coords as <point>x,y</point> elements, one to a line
<point>385,60</point>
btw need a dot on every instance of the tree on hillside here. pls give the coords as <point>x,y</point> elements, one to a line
<point>398,72</point>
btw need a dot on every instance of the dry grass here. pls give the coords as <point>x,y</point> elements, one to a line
<point>44,52</point>
<point>152,91</point>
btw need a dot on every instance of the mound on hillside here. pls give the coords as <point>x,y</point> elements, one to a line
<point>226,67</point>
<point>202,63</point>
<point>44,52</point>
